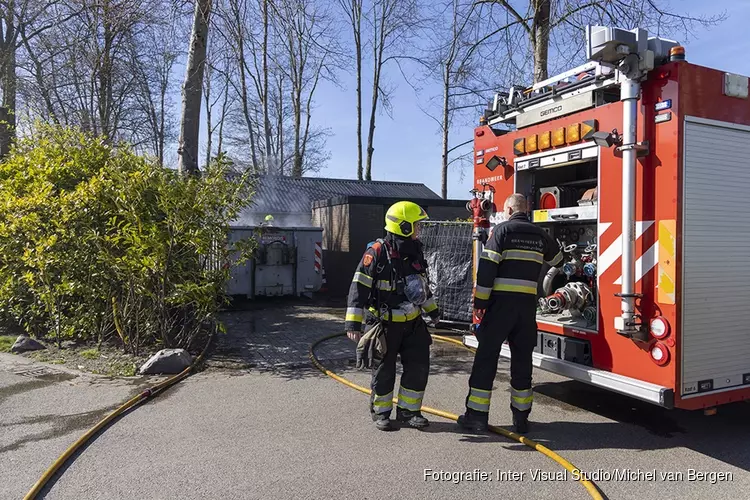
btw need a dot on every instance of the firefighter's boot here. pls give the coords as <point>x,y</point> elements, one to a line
<point>471,421</point>
<point>520,422</point>
<point>382,422</point>
<point>413,418</point>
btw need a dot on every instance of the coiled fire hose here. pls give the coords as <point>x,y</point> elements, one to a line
<point>131,403</point>
<point>590,486</point>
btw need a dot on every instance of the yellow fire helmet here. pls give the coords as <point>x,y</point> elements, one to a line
<point>402,216</point>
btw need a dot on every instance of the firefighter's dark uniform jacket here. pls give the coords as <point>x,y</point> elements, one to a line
<point>506,288</point>
<point>376,294</point>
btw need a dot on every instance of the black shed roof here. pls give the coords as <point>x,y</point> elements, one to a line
<point>276,194</point>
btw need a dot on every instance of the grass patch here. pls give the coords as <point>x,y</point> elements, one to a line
<point>122,369</point>
<point>90,354</point>
<point>6,342</point>
<point>106,359</point>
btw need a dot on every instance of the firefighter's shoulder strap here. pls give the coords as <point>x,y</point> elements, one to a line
<point>379,245</point>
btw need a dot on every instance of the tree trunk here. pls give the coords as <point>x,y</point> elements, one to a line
<point>224,105</point>
<point>357,18</point>
<point>191,91</point>
<point>266,120</point>
<point>209,125</point>
<point>280,125</point>
<point>8,107</point>
<point>243,85</point>
<point>540,38</point>
<point>42,83</point>
<point>378,53</point>
<point>371,132</point>
<point>8,79</point>
<point>105,76</point>
<point>446,127</point>
<point>162,122</point>
<point>297,100</point>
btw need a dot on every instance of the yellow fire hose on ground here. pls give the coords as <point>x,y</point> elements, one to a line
<point>131,403</point>
<point>161,386</point>
<point>590,486</point>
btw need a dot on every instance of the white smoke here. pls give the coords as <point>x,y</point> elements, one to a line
<point>279,219</point>
<point>268,199</point>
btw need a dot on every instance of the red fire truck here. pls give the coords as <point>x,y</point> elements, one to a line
<point>636,162</point>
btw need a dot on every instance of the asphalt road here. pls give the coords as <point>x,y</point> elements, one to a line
<point>260,422</point>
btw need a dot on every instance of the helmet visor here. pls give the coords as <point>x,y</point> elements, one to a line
<point>417,228</point>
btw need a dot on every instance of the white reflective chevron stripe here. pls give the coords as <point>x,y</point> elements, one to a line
<point>644,264</point>
<point>614,251</point>
<point>609,256</point>
<point>603,228</point>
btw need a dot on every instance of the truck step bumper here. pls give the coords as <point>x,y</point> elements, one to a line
<point>645,391</point>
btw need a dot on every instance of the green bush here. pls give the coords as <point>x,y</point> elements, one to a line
<point>98,241</point>
<point>90,354</point>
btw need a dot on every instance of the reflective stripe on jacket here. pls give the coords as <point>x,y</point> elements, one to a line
<point>512,259</point>
<point>376,278</point>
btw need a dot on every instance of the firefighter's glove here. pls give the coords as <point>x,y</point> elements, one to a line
<point>430,321</point>
<point>371,348</point>
<point>478,315</point>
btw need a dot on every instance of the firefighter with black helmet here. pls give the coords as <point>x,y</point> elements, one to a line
<point>390,294</point>
<point>505,304</point>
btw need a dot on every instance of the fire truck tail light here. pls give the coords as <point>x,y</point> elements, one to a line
<point>660,354</point>
<point>659,327</point>
<point>573,133</point>
<point>558,136</point>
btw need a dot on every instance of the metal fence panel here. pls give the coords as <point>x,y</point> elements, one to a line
<point>448,251</point>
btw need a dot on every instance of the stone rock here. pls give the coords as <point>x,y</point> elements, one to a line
<point>69,344</point>
<point>167,361</point>
<point>25,343</point>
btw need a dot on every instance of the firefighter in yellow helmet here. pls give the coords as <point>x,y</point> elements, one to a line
<point>390,295</point>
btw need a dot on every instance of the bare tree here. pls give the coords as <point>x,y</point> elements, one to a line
<point>9,31</point>
<point>154,57</point>
<point>20,22</point>
<point>217,73</point>
<point>280,51</point>
<point>264,91</point>
<point>104,66</point>
<point>394,25</point>
<point>560,23</point>
<point>191,93</point>
<point>454,47</point>
<point>311,49</point>
<point>353,11</point>
<point>234,29</point>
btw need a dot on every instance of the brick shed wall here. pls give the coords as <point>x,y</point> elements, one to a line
<point>349,227</point>
<point>335,223</point>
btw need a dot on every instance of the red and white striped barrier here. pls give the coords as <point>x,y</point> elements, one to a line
<point>318,257</point>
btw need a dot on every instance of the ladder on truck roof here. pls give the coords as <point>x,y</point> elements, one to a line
<point>506,106</point>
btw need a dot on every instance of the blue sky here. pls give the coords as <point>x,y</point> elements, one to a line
<point>407,146</point>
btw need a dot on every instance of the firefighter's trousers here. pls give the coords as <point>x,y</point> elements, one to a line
<point>412,341</point>
<point>511,317</point>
